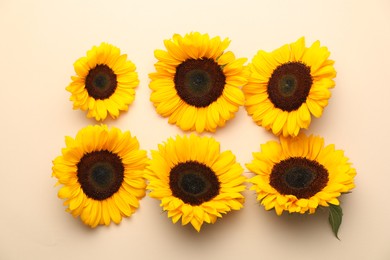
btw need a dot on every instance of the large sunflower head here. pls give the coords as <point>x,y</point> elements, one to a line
<point>299,174</point>
<point>101,171</point>
<point>104,83</point>
<point>289,85</point>
<point>194,180</point>
<point>196,83</point>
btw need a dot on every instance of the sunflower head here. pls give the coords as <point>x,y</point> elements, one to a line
<point>104,83</point>
<point>289,85</point>
<point>299,174</point>
<point>197,83</point>
<point>194,181</point>
<point>101,171</point>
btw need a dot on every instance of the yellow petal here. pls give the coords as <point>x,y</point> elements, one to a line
<point>234,95</point>
<point>114,211</point>
<point>304,116</point>
<point>200,122</point>
<point>314,108</point>
<point>226,58</point>
<point>298,49</point>
<point>101,110</point>
<point>105,213</point>
<point>81,67</point>
<point>121,204</point>
<point>196,223</point>
<point>292,127</point>
<point>279,122</point>
<point>187,214</point>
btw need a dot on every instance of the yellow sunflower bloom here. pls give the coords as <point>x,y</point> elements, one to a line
<point>194,181</point>
<point>101,171</point>
<point>289,85</point>
<point>299,174</point>
<point>196,83</point>
<point>104,83</point>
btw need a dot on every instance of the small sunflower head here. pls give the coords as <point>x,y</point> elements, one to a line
<point>194,180</point>
<point>197,84</point>
<point>101,173</point>
<point>104,83</point>
<point>299,174</point>
<point>288,86</point>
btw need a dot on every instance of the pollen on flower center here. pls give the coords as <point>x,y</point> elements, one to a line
<point>100,174</point>
<point>193,182</point>
<point>289,85</point>
<point>101,82</point>
<point>298,176</point>
<point>199,82</point>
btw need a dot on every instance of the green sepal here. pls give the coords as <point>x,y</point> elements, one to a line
<point>335,218</point>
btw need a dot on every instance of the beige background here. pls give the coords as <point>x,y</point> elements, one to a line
<point>40,40</point>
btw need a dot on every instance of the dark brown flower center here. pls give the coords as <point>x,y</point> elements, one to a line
<point>199,82</point>
<point>289,85</point>
<point>298,176</point>
<point>193,182</point>
<point>101,82</point>
<point>100,174</point>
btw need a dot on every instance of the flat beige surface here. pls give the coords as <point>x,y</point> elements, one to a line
<point>40,40</point>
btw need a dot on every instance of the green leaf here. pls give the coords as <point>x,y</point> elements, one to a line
<point>335,218</point>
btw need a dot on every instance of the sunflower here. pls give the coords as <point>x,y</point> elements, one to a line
<point>101,171</point>
<point>196,83</point>
<point>104,83</point>
<point>299,174</point>
<point>194,181</point>
<point>289,85</point>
